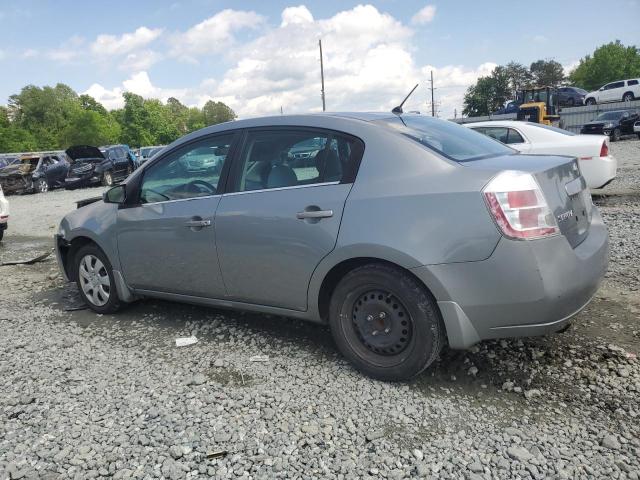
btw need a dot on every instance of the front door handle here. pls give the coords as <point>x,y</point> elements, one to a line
<point>314,214</point>
<point>197,223</point>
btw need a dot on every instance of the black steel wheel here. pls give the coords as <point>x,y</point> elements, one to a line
<point>385,322</point>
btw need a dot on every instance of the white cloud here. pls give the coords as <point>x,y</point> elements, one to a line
<point>424,15</point>
<point>125,43</point>
<point>215,34</point>
<point>568,68</point>
<point>368,60</point>
<point>140,60</point>
<point>30,53</point>
<point>296,15</point>
<point>69,50</point>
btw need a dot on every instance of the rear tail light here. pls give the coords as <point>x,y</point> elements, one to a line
<point>604,150</point>
<point>519,207</point>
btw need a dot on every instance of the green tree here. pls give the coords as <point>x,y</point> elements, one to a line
<point>610,62</point>
<point>217,112</point>
<point>488,94</point>
<point>16,139</point>
<point>135,121</point>
<point>519,77</point>
<point>547,73</point>
<point>89,127</point>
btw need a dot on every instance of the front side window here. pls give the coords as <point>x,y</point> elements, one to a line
<point>296,157</point>
<point>189,172</point>
<point>447,138</point>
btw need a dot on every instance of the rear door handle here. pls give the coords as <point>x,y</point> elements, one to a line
<point>197,223</point>
<point>314,214</point>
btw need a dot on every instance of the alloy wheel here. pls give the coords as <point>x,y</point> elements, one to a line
<point>108,179</point>
<point>43,186</point>
<point>94,280</point>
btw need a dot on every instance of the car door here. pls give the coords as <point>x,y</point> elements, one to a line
<point>283,212</point>
<point>627,121</point>
<point>166,239</point>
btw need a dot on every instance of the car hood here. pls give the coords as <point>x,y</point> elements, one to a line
<point>18,169</point>
<point>81,152</point>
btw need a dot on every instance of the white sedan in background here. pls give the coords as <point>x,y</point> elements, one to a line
<point>4,213</point>
<point>598,166</point>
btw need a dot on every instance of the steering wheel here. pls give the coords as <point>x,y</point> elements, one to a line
<point>210,189</point>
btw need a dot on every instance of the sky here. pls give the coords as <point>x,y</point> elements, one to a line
<point>262,56</point>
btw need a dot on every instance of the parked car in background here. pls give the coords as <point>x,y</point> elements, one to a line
<point>121,156</point>
<point>571,96</point>
<point>89,166</point>
<point>597,165</point>
<point>614,124</point>
<point>4,213</point>
<point>145,153</point>
<point>636,128</point>
<point>510,107</point>
<point>34,173</point>
<point>620,91</point>
<point>407,233</point>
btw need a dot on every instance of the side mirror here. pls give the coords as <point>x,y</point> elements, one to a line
<point>115,194</point>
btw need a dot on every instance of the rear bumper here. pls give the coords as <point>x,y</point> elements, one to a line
<point>599,171</point>
<point>526,288</point>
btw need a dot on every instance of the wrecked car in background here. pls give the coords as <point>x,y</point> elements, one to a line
<point>90,166</point>
<point>34,173</point>
<point>4,213</point>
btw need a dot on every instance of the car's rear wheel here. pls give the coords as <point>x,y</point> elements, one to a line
<point>42,186</point>
<point>94,276</point>
<point>615,135</point>
<point>627,97</point>
<point>590,101</point>
<point>107,179</point>
<point>385,322</point>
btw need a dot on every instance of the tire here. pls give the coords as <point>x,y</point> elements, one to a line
<point>627,97</point>
<point>107,179</point>
<point>615,135</point>
<point>94,276</point>
<point>590,101</point>
<point>129,169</point>
<point>1,234</point>
<point>571,102</point>
<point>41,186</point>
<point>384,299</point>
<point>639,136</point>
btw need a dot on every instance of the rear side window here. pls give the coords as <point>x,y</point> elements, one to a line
<point>449,139</point>
<point>297,157</point>
<point>514,137</point>
<point>632,82</point>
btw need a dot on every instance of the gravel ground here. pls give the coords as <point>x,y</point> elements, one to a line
<point>87,396</point>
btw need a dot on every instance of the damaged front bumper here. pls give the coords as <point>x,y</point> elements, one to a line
<point>16,184</point>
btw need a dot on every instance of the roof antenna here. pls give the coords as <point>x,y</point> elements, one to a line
<point>398,109</point>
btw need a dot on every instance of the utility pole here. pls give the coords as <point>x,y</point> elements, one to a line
<point>322,75</point>
<point>433,105</point>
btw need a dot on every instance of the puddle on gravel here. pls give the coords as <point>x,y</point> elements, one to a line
<point>229,377</point>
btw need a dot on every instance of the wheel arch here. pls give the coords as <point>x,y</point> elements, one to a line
<point>332,276</point>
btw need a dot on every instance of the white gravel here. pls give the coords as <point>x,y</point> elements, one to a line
<point>86,396</point>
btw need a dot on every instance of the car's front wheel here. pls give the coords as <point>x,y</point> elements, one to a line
<point>590,101</point>
<point>41,186</point>
<point>107,179</point>
<point>95,280</point>
<point>385,322</point>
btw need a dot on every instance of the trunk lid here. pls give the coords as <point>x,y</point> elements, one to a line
<point>563,186</point>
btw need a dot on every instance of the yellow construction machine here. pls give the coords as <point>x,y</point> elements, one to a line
<point>539,105</point>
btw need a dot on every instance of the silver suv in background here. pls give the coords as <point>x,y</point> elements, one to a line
<point>401,232</point>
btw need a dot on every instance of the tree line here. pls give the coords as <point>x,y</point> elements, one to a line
<point>54,118</point>
<point>609,62</point>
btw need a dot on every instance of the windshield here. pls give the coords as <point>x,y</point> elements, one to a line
<point>553,129</point>
<point>447,138</point>
<point>610,116</point>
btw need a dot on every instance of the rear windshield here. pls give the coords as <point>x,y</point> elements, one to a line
<point>553,129</point>
<point>447,138</point>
